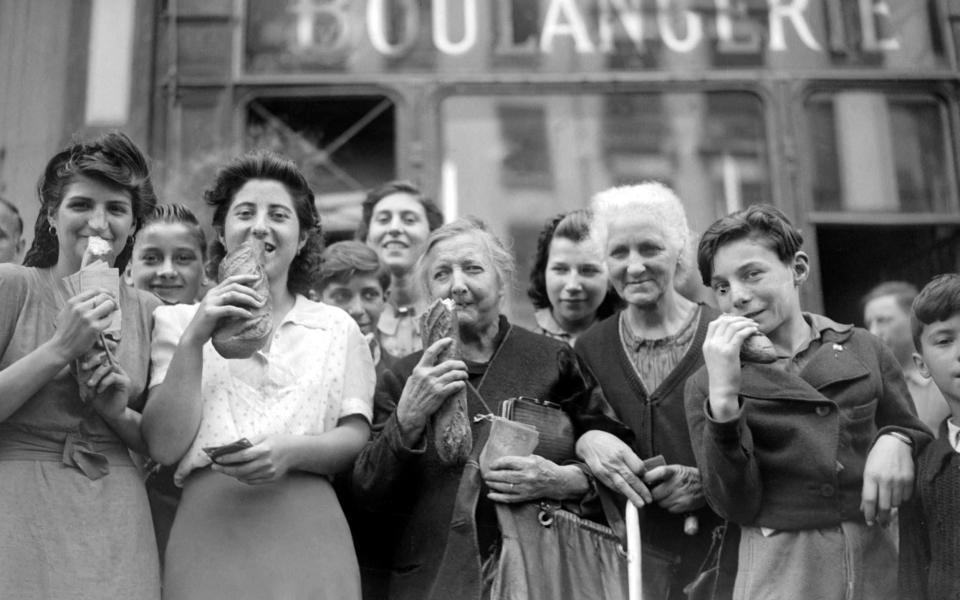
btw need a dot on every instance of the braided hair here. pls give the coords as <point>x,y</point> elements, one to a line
<point>111,159</point>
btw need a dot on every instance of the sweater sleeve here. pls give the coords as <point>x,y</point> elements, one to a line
<point>914,551</point>
<point>724,454</point>
<point>383,471</point>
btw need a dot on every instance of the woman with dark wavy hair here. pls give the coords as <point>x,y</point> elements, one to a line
<point>75,521</point>
<point>261,522</point>
<point>568,281</point>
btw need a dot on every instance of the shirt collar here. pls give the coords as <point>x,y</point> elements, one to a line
<point>953,435</point>
<point>546,322</point>
<point>391,317</point>
<point>307,313</point>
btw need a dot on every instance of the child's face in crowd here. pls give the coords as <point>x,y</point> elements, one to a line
<point>168,261</point>
<point>939,356</point>
<point>750,280</point>
<point>362,297</point>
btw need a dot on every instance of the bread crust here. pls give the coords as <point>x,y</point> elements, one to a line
<point>451,424</point>
<point>236,337</point>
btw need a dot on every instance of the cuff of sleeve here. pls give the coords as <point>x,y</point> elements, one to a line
<point>395,439</point>
<point>725,432</point>
<point>583,504</point>
<point>913,438</point>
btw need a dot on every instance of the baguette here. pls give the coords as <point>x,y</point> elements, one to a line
<point>241,338</point>
<point>451,425</point>
<point>758,349</point>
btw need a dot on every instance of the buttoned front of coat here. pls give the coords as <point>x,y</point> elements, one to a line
<point>794,456</point>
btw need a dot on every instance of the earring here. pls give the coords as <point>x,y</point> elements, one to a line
<point>53,230</point>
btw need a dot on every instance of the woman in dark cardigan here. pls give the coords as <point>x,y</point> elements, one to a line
<point>445,513</point>
<point>641,358</point>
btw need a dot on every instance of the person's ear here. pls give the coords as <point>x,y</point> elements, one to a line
<point>21,244</point>
<point>800,267</point>
<point>921,365</point>
<point>128,276</point>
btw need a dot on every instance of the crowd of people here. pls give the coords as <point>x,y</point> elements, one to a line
<point>140,462</point>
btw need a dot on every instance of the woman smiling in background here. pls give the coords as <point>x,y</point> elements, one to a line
<point>397,219</point>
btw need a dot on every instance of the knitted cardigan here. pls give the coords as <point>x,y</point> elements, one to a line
<point>930,527</point>
<point>659,424</point>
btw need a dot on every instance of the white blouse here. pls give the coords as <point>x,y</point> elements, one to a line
<point>317,370</point>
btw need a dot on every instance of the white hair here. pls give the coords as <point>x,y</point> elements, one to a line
<point>649,201</point>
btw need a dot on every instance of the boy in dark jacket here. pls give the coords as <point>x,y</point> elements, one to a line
<point>810,452</point>
<point>930,522</point>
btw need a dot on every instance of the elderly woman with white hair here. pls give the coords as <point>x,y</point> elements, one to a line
<point>641,358</point>
<point>444,513</point>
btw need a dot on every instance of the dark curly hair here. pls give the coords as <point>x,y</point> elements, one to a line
<point>263,164</point>
<point>111,159</point>
<point>573,226</point>
<point>434,215</point>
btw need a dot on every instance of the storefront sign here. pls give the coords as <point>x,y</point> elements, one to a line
<point>565,35</point>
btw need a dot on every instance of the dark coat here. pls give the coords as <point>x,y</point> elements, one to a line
<point>659,426</point>
<point>794,458</point>
<point>437,556</point>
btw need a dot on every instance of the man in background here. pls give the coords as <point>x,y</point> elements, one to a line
<point>886,313</point>
<point>11,233</point>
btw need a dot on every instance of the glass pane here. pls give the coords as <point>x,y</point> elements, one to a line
<point>344,145</point>
<point>878,151</point>
<point>516,160</point>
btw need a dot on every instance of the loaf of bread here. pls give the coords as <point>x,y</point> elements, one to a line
<point>240,338</point>
<point>451,424</point>
<point>758,349</point>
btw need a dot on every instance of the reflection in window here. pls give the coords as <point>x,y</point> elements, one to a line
<point>526,158</point>
<point>517,160</point>
<point>878,151</point>
<point>551,153</point>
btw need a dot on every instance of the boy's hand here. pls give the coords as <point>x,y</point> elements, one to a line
<point>887,479</point>
<point>721,353</point>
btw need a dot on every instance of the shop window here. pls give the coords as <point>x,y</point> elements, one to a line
<point>345,145</point>
<point>876,151</point>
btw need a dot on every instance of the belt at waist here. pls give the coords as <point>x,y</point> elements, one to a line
<point>90,455</point>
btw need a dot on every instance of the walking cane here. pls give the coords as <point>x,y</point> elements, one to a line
<point>634,577</point>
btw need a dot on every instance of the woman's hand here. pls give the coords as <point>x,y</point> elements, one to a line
<point>614,464</point>
<point>675,488</point>
<point>267,461</point>
<point>524,478</point>
<point>80,322</point>
<point>228,299</point>
<point>105,382</point>
<point>428,386</point>
<point>887,479</point>
<point>721,354</point>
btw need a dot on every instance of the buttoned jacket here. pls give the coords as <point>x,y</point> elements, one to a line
<point>794,456</point>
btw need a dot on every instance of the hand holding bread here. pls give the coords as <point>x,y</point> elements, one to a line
<point>226,309</point>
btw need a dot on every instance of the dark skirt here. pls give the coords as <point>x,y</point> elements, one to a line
<point>285,540</point>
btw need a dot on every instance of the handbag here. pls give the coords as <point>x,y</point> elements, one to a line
<point>557,437</point>
<point>547,552</point>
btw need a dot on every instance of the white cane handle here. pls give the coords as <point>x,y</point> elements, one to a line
<point>634,578</point>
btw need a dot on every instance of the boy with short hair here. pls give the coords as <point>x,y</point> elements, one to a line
<point>352,278</point>
<point>806,453</point>
<point>930,523</point>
